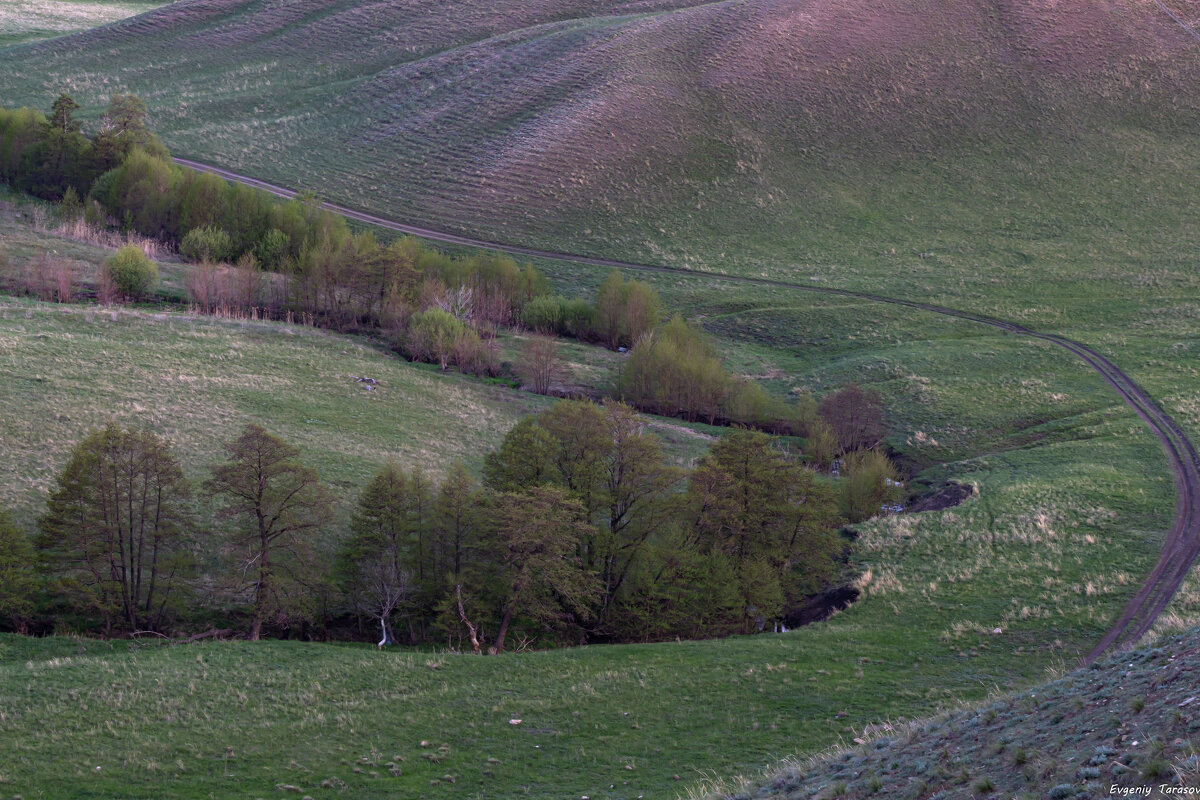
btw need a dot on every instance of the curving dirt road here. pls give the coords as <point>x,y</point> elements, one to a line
<point>1182,544</point>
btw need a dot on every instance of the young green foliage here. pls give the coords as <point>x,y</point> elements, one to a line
<point>772,519</point>
<point>538,533</point>
<point>132,272</point>
<point>18,577</point>
<point>280,505</point>
<point>114,534</point>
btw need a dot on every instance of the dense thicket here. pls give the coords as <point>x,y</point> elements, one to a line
<point>47,156</point>
<point>674,370</point>
<point>581,530</point>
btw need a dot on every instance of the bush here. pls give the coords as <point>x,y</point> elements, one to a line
<point>544,314</point>
<point>131,272</point>
<point>625,311</point>
<point>205,244</point>
<point>432,335</point>
<point>676,372</point>
<point>577,318</point>
<point>272,249</point>
<point>471,354</point>
<point>870,485</point>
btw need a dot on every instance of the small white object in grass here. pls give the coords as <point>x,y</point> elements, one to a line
<point>514,722</point>
<point>997,631</point>
<point>97,768</point>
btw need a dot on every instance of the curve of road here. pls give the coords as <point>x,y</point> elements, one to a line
<point>1182,544</point>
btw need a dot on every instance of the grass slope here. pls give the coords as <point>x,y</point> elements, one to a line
<point>197,380</point>
<point>1030,143</point>
<point>29,20</point>
<point>1126,727</point>
<point>1030,160</point>
<point>1073,501</point>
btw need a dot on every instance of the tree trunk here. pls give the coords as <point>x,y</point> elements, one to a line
<point>462,613</point>
<point>260,591</point>
<point>499,646</point>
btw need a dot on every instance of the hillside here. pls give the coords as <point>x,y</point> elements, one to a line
<point>782,136</point>
<point>1073,498</point>
<point>1126,727</point>
<point>65,369</point>
<point>29,20</point>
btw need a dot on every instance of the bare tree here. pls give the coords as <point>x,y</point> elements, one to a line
<point>457,302</point>
<point>540,366</point>
<point>855,415</point>
<point>384,586</point>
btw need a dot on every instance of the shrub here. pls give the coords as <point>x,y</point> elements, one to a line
<point>471,354</point>
<point>205,244</point>
<point>625,310</point>
<point>544,314</point>
<point>131,272</point>
<point>432,334</point>
<point>577,318</point>
<point>272,249</point>
<point>676,372</point>
<point>540,366</point>
<point>870,484</point>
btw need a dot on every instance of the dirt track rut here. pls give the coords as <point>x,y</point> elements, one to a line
<point>1182,544</point>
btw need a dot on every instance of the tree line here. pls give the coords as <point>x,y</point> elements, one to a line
<point>581,530</point>
<point>254,252</point>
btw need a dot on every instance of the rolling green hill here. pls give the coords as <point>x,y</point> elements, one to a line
<point>1029,160</point>
<point>1073,498</point>
<point>29,20</point>
<point>1027,143</point>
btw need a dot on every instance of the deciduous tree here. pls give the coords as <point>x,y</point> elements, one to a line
<point>537,533</point>
<point>17,574</point>
<point>855,415</point>
<point>278,504</point>
<point>378,559</point>
<point>523,459</point>
<point>540,367</point>
<point>114,532</point>
<point>771,518</point>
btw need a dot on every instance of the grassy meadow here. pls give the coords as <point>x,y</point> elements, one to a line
<point>1073,500</point>
<point>30,20</point>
